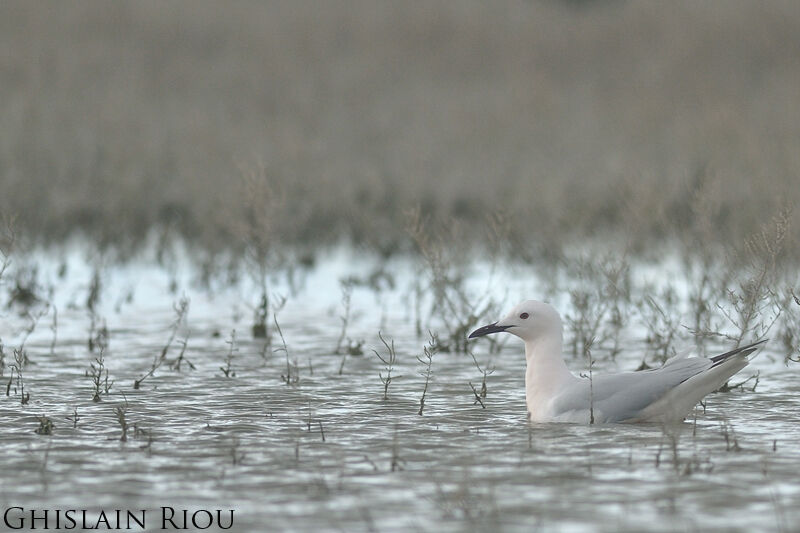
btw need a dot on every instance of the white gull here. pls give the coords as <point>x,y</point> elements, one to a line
<point>554,394</point>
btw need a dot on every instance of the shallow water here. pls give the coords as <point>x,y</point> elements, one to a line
<point>328,453</point>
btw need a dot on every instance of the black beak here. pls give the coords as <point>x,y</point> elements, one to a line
<point>486,330</point>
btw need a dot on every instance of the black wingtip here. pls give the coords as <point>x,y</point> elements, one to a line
<point>744,350</point>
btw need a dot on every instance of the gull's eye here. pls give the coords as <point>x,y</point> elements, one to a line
<point>523,316</point>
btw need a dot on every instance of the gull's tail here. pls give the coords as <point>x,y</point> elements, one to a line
<point>742,351</point>
<point>678,402</point>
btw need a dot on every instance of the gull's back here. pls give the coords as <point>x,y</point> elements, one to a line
<point>666,394</point>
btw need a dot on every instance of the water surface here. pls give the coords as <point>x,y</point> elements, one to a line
<point>329,453</point>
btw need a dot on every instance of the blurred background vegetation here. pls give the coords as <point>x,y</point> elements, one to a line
<point>309,123</point>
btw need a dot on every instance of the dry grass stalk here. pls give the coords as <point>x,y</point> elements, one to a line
<point>753,307</point>
<point>599,300</point>
<point>451,303</point>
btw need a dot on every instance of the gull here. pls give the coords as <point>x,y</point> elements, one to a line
<point>662,395</point>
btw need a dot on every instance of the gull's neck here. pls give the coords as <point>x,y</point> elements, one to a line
<point>546,373</point>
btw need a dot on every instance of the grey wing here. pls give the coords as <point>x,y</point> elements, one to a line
<point>620,397</point>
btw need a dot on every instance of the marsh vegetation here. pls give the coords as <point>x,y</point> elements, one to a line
<point>176,399</point>
<point>297,123</point>
<point>240,256</point>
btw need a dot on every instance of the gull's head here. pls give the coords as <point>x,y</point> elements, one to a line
<point>529,321</point>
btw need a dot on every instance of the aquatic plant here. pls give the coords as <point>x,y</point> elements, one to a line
<point>74,417</point>
<point>388,361</point>
<point>98,373</point>
<point>344,344</point>
<point>681,466</point>
<point>599,295</point>
<point>485,371</point>
<point>95,290</point>
<point>181,308</point>
<point>227,368</point>
<point>587,350</point>
<point>176,363</point>
<point>478,397</point>
<point>397,461</point>
<point>292,376</point>
<point>54,329</point>
<point>98,333</point>
<point>661,318</point>
<point>20,360</point>
<point>121,412</point>
<point>451,303</point>
<point>728,433</point>
<point>426,360</point>
<point>254,221</point>
<point>350,347</point>
<point>789,333</point>
<point>45,426</point>
<point>752,306</point>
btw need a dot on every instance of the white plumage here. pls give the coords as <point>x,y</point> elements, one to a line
<point>554,394</point>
